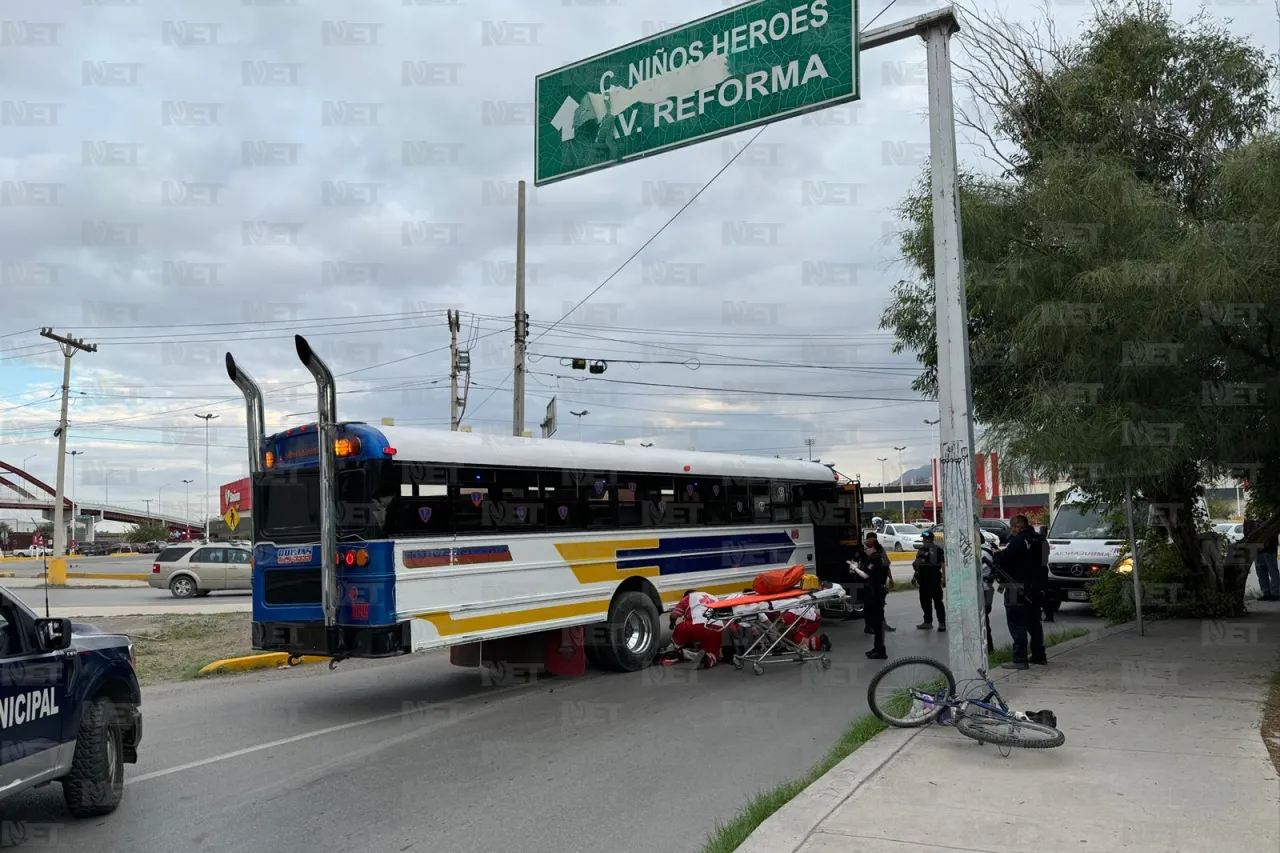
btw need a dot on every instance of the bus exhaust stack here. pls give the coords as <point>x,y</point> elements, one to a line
<point>255,419</point>
<point>326,421</point>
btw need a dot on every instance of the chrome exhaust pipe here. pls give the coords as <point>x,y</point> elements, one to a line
<point>326,427</point>
<point>255,420</point>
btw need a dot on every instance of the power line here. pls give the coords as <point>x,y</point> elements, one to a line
<point>637,252</point>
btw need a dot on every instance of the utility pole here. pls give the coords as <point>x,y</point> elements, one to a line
<point>809,443</point>
<point>73,454</point>
<point>902,483</point>
<point>455,324</point>
<point>69,347</point>
<point>580,416</point>
<point>522,322</point>
<point>188,483</point>
<point>147,501</point>
<point>884,489</point>
<point>206,418</point>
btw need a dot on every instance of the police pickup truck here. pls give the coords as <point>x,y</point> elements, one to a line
<point>69,708</point>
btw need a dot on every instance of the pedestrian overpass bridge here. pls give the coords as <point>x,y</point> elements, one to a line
<point>22,492</point>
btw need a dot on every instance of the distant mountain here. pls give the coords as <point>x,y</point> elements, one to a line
<point>915,476</point>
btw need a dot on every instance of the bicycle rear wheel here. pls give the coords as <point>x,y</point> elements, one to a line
<point>1006,731</point>
<point>910,692</point>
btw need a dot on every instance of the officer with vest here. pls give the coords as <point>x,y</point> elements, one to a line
<point>1023,568</point>
<point>929,564</point>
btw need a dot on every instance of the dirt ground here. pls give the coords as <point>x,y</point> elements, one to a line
<point>1271,722</point>
<point>173,647</point>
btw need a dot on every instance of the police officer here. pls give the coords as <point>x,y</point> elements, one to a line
<point>1022,564</point>
<point>928,565</point>
<point>872,566</point>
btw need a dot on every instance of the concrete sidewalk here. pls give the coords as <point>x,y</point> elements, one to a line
<point>1163,753</point>
<point>74,583</point>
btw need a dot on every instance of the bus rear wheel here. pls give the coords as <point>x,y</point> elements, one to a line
<point>628,642</point>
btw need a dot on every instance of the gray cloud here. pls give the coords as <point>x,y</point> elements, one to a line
<point>348,169</point>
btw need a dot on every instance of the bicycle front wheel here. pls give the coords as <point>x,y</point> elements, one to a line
<point>1006,731</point>
<point>910,692</point>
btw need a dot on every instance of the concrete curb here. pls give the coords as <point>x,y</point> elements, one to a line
<point>271,660</point>
<point>110,576</point>
<point>787,829</point>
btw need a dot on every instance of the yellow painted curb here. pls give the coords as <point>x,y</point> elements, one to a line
<point>270,660</point>
<point>6,574</point>
<point>108,576</point>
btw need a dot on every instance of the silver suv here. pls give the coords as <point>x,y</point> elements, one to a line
<point>197,569</point>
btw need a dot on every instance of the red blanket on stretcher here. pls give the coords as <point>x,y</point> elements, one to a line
<point>728,603</point>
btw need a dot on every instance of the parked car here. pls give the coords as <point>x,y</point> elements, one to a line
<point>34,551</point>
<point>1232,530</point>
<point>187,571</point>
<point>72,708</point>
<point>900,537</point>
<point>124,548</point>
<point>998,527</point>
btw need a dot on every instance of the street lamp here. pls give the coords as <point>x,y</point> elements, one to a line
<point>187,512</point>
<point>205,499</point>
<point>73,454</point>
<point>28,459</point>
<point>884,493</point>
<point>937,446</point>
<point>902,483</point>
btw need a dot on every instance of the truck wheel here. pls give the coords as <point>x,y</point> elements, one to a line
<point>632,634</point>
<point>182,586</point>
<point>96,781</point>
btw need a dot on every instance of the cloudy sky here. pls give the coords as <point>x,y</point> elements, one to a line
<point>181,179</point>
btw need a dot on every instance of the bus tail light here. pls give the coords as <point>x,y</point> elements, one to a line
<point>346,446</point>
<point>271,459</point>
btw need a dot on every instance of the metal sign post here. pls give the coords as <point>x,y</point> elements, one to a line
<point>1133,551</point>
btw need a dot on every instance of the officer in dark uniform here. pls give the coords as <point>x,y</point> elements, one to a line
<point>928,565</point>
<point>1022,565</point>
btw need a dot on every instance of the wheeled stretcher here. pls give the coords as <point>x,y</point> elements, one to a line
<point>775,639</point>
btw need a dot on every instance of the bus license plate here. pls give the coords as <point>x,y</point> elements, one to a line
<point>1078,595</point>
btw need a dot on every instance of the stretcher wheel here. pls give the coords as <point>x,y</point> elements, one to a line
<point>826,662</point>
<point>737,664</point>
<point>757,669</point>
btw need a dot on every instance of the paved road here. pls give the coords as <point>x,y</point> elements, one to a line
<point>34,597</point>
<point>416,755</point>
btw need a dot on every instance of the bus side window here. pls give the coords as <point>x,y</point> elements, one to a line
<point>780,494</point>
<point>469,494</point>
<point>517,503</point>
<point>739,503</point>
<point>715,500</point>
<point>630,509</point>
<point>655,491</point>
<point>800,502</point>
<point>423,507</point>
<point>761,509</point>
<point>597,500</point>
<point>688,499</point>
<point>560,503</point>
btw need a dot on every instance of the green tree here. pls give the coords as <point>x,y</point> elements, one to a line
<point>148,532</point>
<point>1118,319</point>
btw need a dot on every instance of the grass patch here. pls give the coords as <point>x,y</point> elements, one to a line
<point>728,836</point>
<point>173,647</point>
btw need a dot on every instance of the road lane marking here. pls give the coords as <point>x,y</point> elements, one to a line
<point>249,750</point>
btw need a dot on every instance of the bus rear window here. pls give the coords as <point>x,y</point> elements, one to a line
<point>291,502</point>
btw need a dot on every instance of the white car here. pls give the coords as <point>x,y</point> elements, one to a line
<point>901,537</point>
<point>34,551</point>
<point>1233,530</point>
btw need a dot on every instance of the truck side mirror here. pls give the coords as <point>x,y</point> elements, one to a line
<point>53,635</point>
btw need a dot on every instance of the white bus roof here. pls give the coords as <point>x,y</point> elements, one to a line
<point>462,448</point>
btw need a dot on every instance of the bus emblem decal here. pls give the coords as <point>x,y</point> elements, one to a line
<point>600,484</point>
<point>662,506</point>
<point>477,498</point>
<point>739,506</point>
<point>564,512</point>
<point>521,512</point>
<point>631,487</point>
<point>689,488</point>
<point>715,490</point>
<point>424,513</point>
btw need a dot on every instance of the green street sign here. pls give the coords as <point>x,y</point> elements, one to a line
<point>759,62</point>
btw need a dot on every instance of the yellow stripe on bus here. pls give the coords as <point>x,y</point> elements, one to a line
<point>597,562</point>
<point>447,626</point>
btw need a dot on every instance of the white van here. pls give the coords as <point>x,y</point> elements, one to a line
<point>1085,541</point>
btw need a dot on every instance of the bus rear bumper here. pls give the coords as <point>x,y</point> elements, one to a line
<point>340,641</point>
